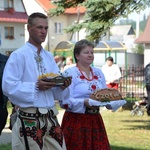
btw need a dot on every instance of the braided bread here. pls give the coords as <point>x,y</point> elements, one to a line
<point>107,94</point>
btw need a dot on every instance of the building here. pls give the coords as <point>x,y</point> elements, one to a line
<point>144,38</point>
<point>57,24</point>
<point>122,33</point>
<point>13,17</point>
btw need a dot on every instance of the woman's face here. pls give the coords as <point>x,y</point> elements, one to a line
<point>86,56</point>
<point>109,63</point>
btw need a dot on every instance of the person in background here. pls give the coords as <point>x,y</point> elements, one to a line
<point>62,63</point>
<point>112,73</point>
<point>60,60</point>
<point>82,124</point>
<point>36,127</point>
<point>57,59</point>
<point>3,98</point>
<point>69,62</point>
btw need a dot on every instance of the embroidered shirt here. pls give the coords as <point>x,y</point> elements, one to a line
<point>21,74</point>
<point>80,88</point>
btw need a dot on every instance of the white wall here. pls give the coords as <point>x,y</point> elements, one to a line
<point>19,36</point>
<point>146,54</point>
<point>1,4</point>
<point>55,38</point>
<point>32,6</point>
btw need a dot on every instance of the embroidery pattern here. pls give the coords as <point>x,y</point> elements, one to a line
<point>35,134</point>
<point>93,83</point>
<point>40,65</point>
<point>56,133</point>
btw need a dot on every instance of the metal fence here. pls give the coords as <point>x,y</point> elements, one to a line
<point>132,84</point>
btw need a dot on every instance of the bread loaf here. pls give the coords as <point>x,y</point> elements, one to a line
<point>107,94</point>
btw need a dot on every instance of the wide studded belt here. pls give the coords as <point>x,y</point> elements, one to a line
<point>92,111</point>
<point>26,114</point>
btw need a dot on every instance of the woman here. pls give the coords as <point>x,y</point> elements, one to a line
<point>112,73</point>
<point>82,124</point>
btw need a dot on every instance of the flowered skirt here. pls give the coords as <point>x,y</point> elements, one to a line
<point>84,132</point>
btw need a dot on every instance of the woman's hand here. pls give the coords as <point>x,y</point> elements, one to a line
<point>86,103</point>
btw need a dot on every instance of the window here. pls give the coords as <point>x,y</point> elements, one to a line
<point>58,27</point>
<point>8,4</point>
<point>9,32</point>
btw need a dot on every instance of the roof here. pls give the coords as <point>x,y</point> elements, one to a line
<point>145,36</point>
<point>47,5</point>
<point>109,45</point>
<point>19,17</point>
<point>64,46</point>
<point>123,30</point>
<point>102,45</point>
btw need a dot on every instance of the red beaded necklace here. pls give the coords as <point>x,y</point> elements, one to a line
<point>86,77</point>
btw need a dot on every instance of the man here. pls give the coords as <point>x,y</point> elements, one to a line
<point>36,127</point>
<point>112,73</point>
<point>3,98</point>
<point>69,62</point>
<point>147,84</point>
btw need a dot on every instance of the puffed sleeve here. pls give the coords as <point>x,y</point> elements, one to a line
<point>72,104</point>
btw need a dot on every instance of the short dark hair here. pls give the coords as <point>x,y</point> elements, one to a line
<point>35,15</point>
<point>110,59</point>
<point>80,45</point>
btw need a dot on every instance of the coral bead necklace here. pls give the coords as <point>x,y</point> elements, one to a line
<point>84,75</point>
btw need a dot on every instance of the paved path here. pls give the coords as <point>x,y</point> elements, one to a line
<point>6,134</point>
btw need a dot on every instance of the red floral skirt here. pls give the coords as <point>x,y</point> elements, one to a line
<point>84,132</point>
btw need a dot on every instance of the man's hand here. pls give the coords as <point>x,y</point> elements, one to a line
<point>66,83</point>
<point>43,86</point>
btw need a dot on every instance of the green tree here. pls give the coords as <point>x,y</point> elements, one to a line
<point>143,23</point>
<point>100,14</point>
<point>139,49</point>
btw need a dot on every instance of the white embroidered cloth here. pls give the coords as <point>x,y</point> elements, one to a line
<point>113,105</point>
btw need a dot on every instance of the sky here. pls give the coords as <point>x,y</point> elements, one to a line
<point>133,16</point>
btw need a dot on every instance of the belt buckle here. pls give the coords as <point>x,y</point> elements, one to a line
<point>92,111</point>
<point>43,110</point>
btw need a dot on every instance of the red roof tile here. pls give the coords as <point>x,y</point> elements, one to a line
<point>20,17</point>
<point>145,36</point>
<point>75,10</point>
<point>47,5</point>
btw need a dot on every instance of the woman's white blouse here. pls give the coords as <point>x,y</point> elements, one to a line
<point>80,89</point>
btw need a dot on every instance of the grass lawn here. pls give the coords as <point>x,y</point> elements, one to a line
<point>125,132</point>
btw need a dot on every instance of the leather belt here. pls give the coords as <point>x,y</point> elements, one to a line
<point>92,111</point>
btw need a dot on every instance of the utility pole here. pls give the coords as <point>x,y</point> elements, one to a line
<point>137,24</point>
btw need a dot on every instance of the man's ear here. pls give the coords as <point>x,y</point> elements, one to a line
<point>28,28</point>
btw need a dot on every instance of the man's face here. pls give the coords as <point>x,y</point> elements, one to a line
<point>38,31</point>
